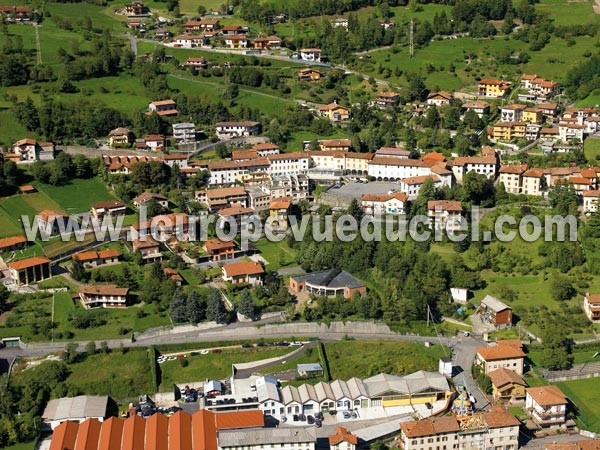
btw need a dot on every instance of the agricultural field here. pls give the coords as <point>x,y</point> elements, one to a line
<point>585,394</point>
<point>214,365</point>
<point>77,195</point>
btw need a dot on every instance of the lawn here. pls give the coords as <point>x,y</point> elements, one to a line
<point>364,359</point>
<point>77,195</point>
<point>123,376</point>
<point>277,253</point>
<point>579,357</point>
<point>22,446</point>
<point>591,149</point>
<point>568,12</point>
<point>585,394</point>
<point>213,365</point>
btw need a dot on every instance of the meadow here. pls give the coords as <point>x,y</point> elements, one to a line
<point>585,394</point>
<point>278,254</point>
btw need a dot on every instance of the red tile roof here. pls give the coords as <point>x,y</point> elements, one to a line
<point>444,205</point>
<point>547,395</point>
<point>500,352</point>
<point>13,240</point>
<point>340,435</point>
<point>29,262</point>
<point>243,268</point>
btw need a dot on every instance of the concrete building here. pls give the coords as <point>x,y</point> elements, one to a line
<point>294,438</point>
<point>75,409</point>
<point>184,133</point>
<point>329,283</point>
<point>444,214</point>
<point>244,272</point>
<point>103,296</point>
<point>591,306</point>
<point>30,270</point>
<point>500,357</point>
<point>547,405</point>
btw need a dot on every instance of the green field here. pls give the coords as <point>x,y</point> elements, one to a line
<point>585,394</point>
<point>77,195</point>
<point>214,365</point>
<point>565,12</point>
<point>22,446</point>
<point>591,148</point>
<point>363,359</point>
<point>277,253</point>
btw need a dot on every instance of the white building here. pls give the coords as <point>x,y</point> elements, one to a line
<point>568,131</point>
<point>393,203</point>
<point>310,54</point>
<point>412,185</point>
<point>444,214</point>
<point>484,165</point>
<point>288,163</point>
<point>230,130</point>
<point>184,133</point>
<point>393,169</point>
<point>224,173</point>
<point>547,405</point>
<point>497,429</point>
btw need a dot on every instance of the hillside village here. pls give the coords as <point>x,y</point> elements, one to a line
<point>158,332</point>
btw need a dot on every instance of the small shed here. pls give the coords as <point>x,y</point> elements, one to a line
<point>445,366</point>
<point>212,388</point>
<point>310,370</point>
<point>494,312</point>
<point>459,295</point>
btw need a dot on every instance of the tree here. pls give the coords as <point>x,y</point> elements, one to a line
<point>215,309</point>
<point>426,193</point>
<point>562,288</point>
<point>90,348</point>
<point>563,199</point>
<point>478,189</point>
<point>556,354</point>
<point>78,270</point>
<point>104,347</point>
<point>247,308</point>
<point>4,295</point>
<point>416,88</point>
<point>70,353</point>
<point>178,308</point>
<point>201,10</point>
<point>196,308</point>
<point>355,210</point>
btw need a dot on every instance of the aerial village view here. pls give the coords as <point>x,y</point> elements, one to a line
<point>299,224</point>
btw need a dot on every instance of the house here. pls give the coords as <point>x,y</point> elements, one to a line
<point>52,222</point>
<point>230,30</point>
<point>29,270</point>
<point>226,173</point>
<point>441,98</point>
<point>336,145</point>
<point>334,112</point>
<point>295,186</point>
<point>507,131</point>
<point>387,99</point>
<point>16,14</point>
<point>179,160</point>
<point>13,243</point>
<point>119,136</point>
<point>162,33</point>
<point>547,405</point>
<point>27,149</point>
<point>267,43</point>
<point>229,130</point>
<point>103,296</point>
<point>219,198</point>
<point>184,133</point>
<point>145,197</point>
<point>512,177</point>
<point>189,41</point>
<point>202,25</point>
<point>97,258</point>
<point>27,189</point>
<point>500,357</point>
<point>512,113</point>
<point>265,149</point>
<point>534,182</point>
<point>279,211</point>
<point>243,272</point>
<point>308,74</point>
<point>494,312</point>
<point>288,163</point>
<point>591,306</point>
<point>590,201</point>
<point>483,165</point>
<point>496,428</point>
<point>244,155</point>
<point>75,410</point>
<point>155,142</point>
<point>195,62</point>
<point>493,88</point>
<point>384,168</point>
<point>110,208</point>
<point>393,203</point>
<point>342,439</point>
<point>310,54</point>
<point>507,384</point>
<point>268,438</point>
<point>532,115</point>
<point>149,249</point>
<point>134,9</point>
<point>163,107</point>
<point>340,22</point>
<point>479,107</point>
<point>328,283</point>
<point>412,185</point>
<point>549,110</point>
<point>569,131</point>
<point>236,41</point>
<point>219,250</point>
<point>309,370</point>
<point>173,275</point>
<point>444,214</point>
<point>581,184</point>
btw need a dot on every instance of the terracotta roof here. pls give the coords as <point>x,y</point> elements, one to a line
<point>64,436</point>
<point>243,268</point>
<point>108,204</point>
<point>384,197</point>
<point>331,107</point>
<point>591,193</point>
<point>585,444</point>
<point>265,146</point>
<point>293,155</point>
<point>499,417</point>
<point>341,434</point>
<point>225,192</point>
<point>515,343</point>
<point>445,95</point>
<point>235,210</point>
<point>244,154</point>
<point>13,240</point>
<point>420,179</point>
<point>27,188</point>
<point>579,180</point>
<point>464,160</point>
<point>148,243</point>
<point>593,298</point>
<point>258,162</point>
<point>433,156</point>
<point>391,161</point>
<point>589,173</point>
<point>29,262</point>
<point>547,395</point>
<point>213,245</point>
<point>492,81</point>
<point>392,151</point>
<point>502,377</point>
<point>514,107</point>
<point>336,142</point>
<point>147,196</point>
<point>49,214</point>
<point>476,104</point>
<point>163,102</point>
<point>534,173</point>
<point>430,427</point>
<point>103,289</point>
<point>92,255</point>
<point>499,352</point>
<point>517,169</point>
<point>237,124</point>
<point>25,141</point>
<point>280,203</point>
<point>174,157</point>
<point>444,205</point>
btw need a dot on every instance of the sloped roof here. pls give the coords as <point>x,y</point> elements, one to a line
<point>75,407</point>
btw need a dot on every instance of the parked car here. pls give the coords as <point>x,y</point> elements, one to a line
<point>302,417</point>
<point>318,423</point>
<point>246,346</point>
<point>346,414</point>
<point>310,419</point>
<point>319,415</point>
<point>295,417</point>
<point>354,414</point>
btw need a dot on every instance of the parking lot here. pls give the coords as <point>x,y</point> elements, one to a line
<point>343,195</point>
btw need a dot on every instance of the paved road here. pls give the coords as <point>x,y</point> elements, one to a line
<point>463,356</point>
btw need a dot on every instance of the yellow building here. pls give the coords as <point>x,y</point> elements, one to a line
<point>507,384</point>
<point>279,210</point>
<point>334,112</point>
<point>507,131</point>
<point>119,136</point>
<point>532,115</point>
<point>493,88</point>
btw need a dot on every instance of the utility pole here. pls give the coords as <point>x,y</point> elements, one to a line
<point>411,39</point>
<point>52,319</point>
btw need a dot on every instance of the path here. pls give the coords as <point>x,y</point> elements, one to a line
<point>597,7</point>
